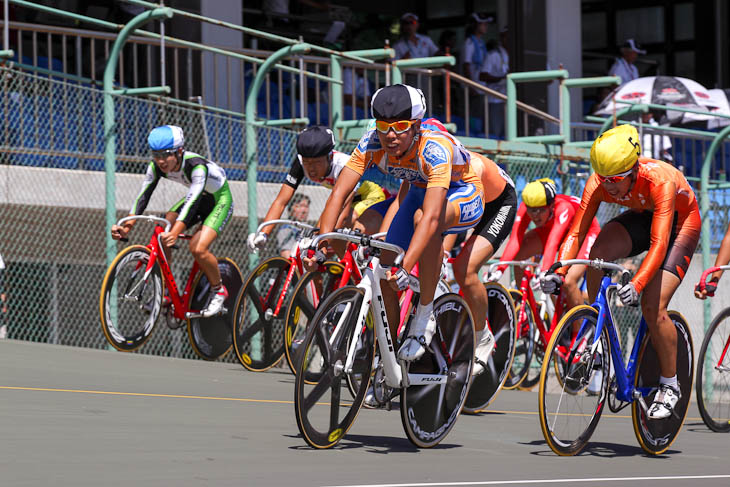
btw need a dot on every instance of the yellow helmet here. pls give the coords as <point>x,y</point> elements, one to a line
<point>539,193</point>
<point>616,150</point>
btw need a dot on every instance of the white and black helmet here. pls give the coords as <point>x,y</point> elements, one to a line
<point>398,102</point>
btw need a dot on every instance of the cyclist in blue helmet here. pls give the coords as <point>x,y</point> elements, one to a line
<point>208,201</point>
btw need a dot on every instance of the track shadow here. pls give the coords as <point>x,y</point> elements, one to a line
<point>484,413</point>
<point>375,444</point>
<point>698,427</point>
<point>602,449</point>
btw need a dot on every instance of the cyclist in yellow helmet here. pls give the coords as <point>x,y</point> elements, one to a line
<point>663,219</point>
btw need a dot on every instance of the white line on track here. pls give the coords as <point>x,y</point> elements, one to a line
<point>543,481</point>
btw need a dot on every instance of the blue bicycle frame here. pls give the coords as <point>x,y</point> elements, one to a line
<point>624,375</point>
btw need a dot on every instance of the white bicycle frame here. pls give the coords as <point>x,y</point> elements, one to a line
<point>396,372</point>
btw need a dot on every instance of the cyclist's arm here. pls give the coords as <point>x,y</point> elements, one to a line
<point>663,196</point>
<point>434,208</point>
<point>582,221</point>
<point>198,178</point>
<point>344,186</point>
<point>286,192</point>
<point>723,256</point>
<point>515,239</point>
<point>346,210</point>
<point>151,178</point>
<point>562,220</point>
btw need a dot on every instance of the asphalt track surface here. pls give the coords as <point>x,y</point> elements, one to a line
<point>71,416</point>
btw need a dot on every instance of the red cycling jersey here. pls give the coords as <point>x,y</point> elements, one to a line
<point>659,188</point>
<point>551,233</point>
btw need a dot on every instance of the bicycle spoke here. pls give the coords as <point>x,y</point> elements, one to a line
<point>255,298</point>
<point>252,329</point>
<point>305,305</point>
<point>335,404</point>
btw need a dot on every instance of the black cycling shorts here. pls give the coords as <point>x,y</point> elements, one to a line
<point>499,217</point>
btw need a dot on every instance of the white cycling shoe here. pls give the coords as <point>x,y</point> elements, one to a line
<point>215,303</point>
<point>420,334</point>
<point>664,402</point>
<point>485,346</point>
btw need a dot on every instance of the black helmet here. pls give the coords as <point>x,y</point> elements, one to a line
<point>315,141</point>
<point>398,102</point>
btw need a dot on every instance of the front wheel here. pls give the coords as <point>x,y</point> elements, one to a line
<point>130,299</point>
<point>656,435</point>
<point>429,411</point>
<point>525,330</point>
<point>574,381</point>
<point>713,374</point>
<point>501,319</point>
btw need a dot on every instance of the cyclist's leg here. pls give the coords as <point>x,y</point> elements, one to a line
<point>571,286</point>
<point>200,248</point>
<point>614,242</point>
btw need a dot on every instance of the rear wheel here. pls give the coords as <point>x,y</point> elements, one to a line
<point>525,331</point>
<point>258,334</point>
<point>211,337</point>
<point>656,436</point>
<point>713,374</point>
<point>322,416</point>
<point>429,411</point>
<point>130,299</point>
<point>501,317</point>
<point>573,382</point>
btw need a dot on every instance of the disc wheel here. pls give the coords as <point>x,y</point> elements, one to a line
<point>525,330</point>
<point>211,337</point>
<point>713,374</point>
<point>323,417</point>
<point>258,333</point>
<point>130,299</point>
<point>573,382</point>
<point>311,289</point>
<point>501,318</point>
<point>428,412</point>
<point>656,436</point>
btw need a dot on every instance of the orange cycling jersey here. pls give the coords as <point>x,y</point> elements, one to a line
<point>435,159</point>
<point>659,188</point>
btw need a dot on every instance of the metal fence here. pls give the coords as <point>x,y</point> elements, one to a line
<point>52,199</point>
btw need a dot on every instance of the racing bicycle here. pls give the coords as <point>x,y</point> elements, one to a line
<point>569,411</point>
<point>133,294</point>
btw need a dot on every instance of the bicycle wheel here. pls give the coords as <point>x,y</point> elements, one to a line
<point>713,374</point>
<point>323,421</point>
<point>524,342</point>
<point>211,337</point>
<point>302,307</point>
<point>130,299</point>
<point>428,412</point>
<point>656,436</point>
<point>569,412</point>
<point>258,334</point>
<point>487,385</point>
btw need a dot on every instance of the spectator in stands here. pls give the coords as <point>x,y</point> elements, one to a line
<point>412,44</point>
<point>494,72</point>
<point>475,49</point>
<point>655,146</point>
<point>361,90</point>
<point>624,66</point>
<point>286,236</point>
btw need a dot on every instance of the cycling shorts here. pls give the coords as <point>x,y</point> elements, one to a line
<point>367,195</point>
<point>682,242</point>
<point>213,210</point>
<point>499,217</point>
<point>383,206</point>
<point>466,200</point>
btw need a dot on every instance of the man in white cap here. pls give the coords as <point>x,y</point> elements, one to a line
<point>412,44</point>
<point>624,66</point>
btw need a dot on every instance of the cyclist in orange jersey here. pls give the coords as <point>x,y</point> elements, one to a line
<point>663,218</point>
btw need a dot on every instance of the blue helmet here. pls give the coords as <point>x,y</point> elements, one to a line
<point>167,137</point>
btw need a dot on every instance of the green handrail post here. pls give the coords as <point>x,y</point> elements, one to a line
<point>151,90</point>
<point>421,62</point>
<point>110,147</point>
<point>530,76</point>
<point>7,53</point>
<point>579,83</point>
<point>250,127</point>
<point>704,208</point>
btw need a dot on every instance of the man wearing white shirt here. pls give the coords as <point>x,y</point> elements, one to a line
<point>412,44</point>
<point>494,72</point>
<point>624,66</point>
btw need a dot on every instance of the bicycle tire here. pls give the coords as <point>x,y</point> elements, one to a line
<point>656,436</point>
<point>301,309</point>
<point>212,337</point>
<point>487,385</point>
<point>524,343</point>
<point>258,336</point>
<point>322,423</point>
<point>125,328</point>
<point>713,384</point>
<point>564,391</point>
<point>429,412</point>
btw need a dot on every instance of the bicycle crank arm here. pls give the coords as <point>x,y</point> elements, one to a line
<point>197,314</point>
<point>423,379</point>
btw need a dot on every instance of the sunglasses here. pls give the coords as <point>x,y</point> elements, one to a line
<point>159,154</point>
<point>616,178</point>
<point>398,127</point>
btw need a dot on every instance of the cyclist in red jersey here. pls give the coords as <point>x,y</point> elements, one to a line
<point>663,218</point>
<point>552,215</point>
